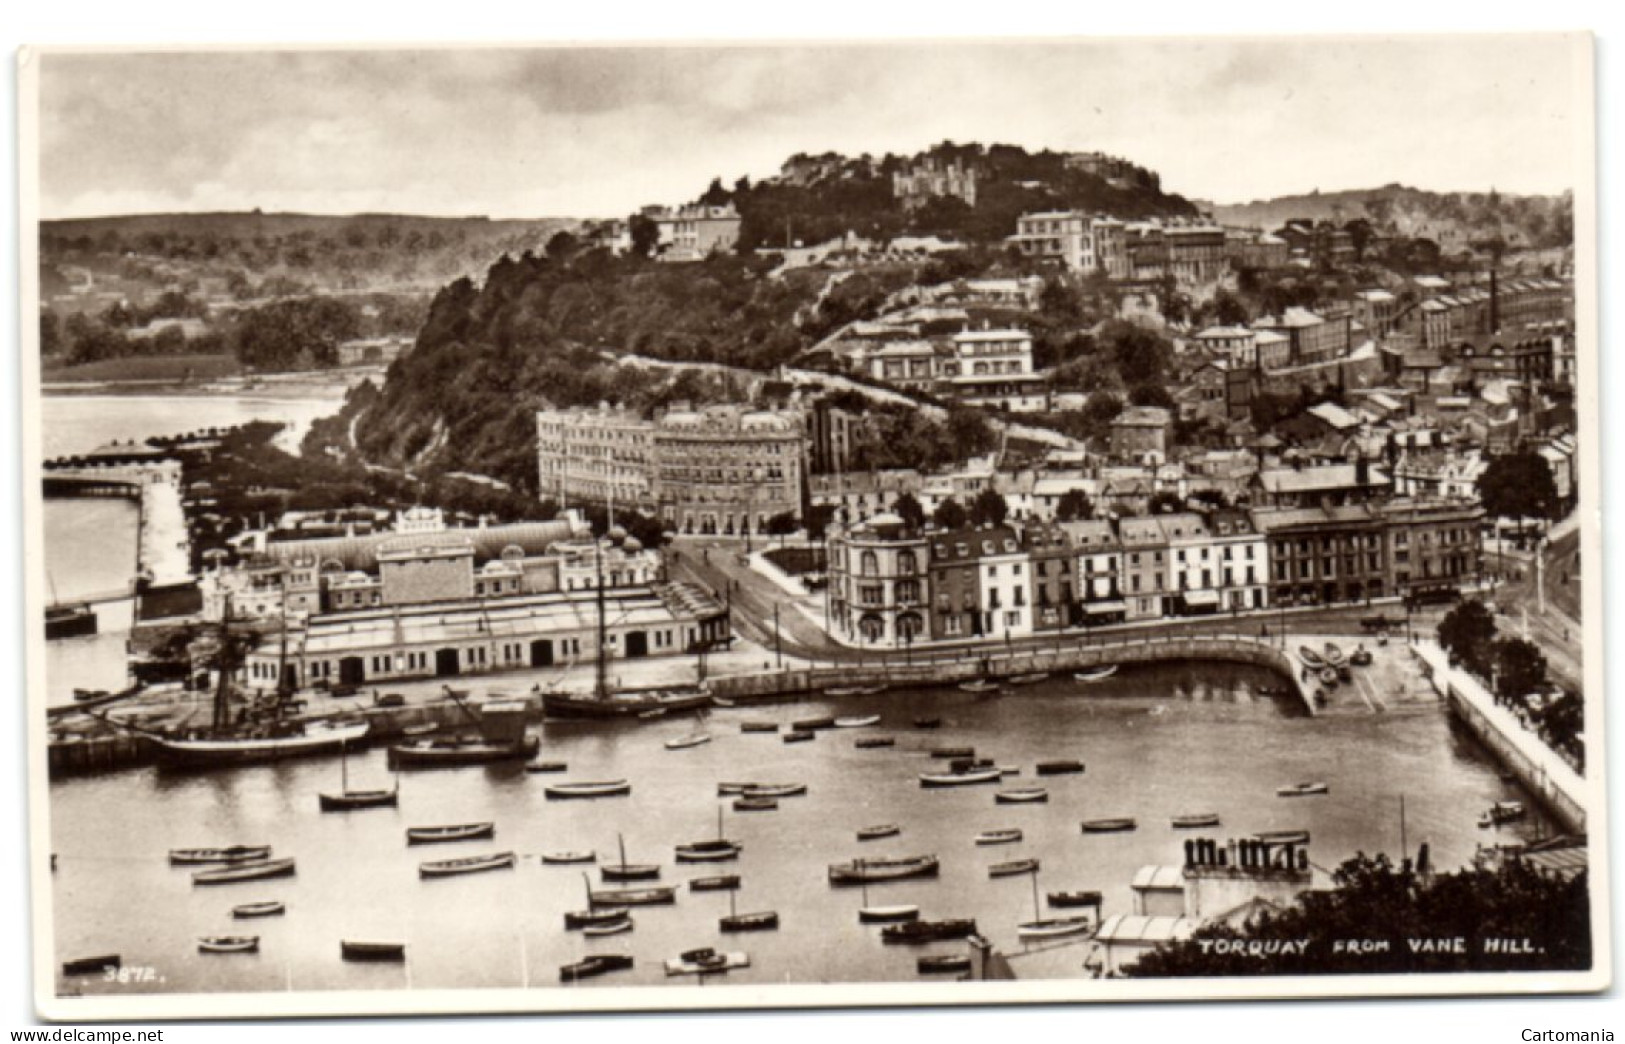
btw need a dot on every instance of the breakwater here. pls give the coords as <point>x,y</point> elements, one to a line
<point>1551,780</point>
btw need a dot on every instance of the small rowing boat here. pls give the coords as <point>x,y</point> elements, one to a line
<point>705,961</point>
<point>1118,825</point>
<point>245,872</point>
<point>1094,674</point>
<point>1305,789</point>
<point>798,736</point>
<point>717,850</point>
<point>1283,837</point>
<point>355,800</point>
<point>206,856</point>
<point>928,931</point>
<point>874,742</point>
<point>545,766</point>
<point>608,927</point>
<point>1361,656</point>
<point>1013,867</point>
<point>1022,796</point>
<point>466,865</point>
<point>880,830</point>
<point>1059,768</point>
<point>755,804</point>
<point>758,726</point>
<point>268,908</point>
<point>1073,899</point>
<point>568,858</point>
<point>718,883</point>
<point>605,788</point>
<point>894,914</point>
<point>941,963</point>
<point>353,950</point>
<point>662,896</point>
<point>862,722</point>
<point>581,920</point>
<point>774,790</point>
<point>1311,659</point>
<point>874,871</point>
<point>979,686</point>
<point>693,739</point>
<point>594,965</point>
<point>228,944</point>
<point>998,837</point>
<point>954,752</point>
<point>1196,821</point>
<point>974,777</point>
<point>451,833</point>
<point>928,723</point>
<point>1328,677</point>
<point>1029,679</point>
<point>1053,927</point>
<point>1334,656</point>
<point>761,921</point>
<point>813,724</point>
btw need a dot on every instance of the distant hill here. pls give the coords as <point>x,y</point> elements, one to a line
<point>1452,219</point>
<point>249,224</point>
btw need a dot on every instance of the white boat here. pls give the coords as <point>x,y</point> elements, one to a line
<point>857,722</point>
<point>1054,927</point>
<point>960,779</point>
<point>605,788</point>
<point>855,690</point>
<point>706,961</point>
<point>624,924</point>
<point>998,837</point>
<point>878,831</point>
<point>980,685</point>
<point>693,739</point>
<point>1094,674</point>
<point>312,738</point>
<point>893,914</point>
<point>1302,789</point>
<point>1022,796</point>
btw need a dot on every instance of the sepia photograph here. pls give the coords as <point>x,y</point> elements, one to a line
<point>739,525</point>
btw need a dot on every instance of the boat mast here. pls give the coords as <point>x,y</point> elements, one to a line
<point>601,687</point>
<point>223,666</point>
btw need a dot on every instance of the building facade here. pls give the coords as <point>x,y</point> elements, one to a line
<point>879,584</point>
<point>726,469</point>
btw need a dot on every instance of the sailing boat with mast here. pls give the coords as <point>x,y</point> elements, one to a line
<point>347,800</point>
<point>456,751</point>
<point>759,921</point>
<point>613,702</point>
<point>711,850</point>
<point>882,914</point>
<point>624,871</point>
<point>257,733</point>
<point>1041,927</point>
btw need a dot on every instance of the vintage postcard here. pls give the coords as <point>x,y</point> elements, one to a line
<point>758,525</point>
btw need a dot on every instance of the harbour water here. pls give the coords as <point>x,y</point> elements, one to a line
<point>72,424</point>
<point>1157,742</point>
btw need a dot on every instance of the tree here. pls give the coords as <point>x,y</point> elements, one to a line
<point>950,514</point>
<point>1466,633</point>
<point>989,508</point>
<point>818,519</point>
<point>1074,506</point>
<point>715,195</point>
<point>562,247</point>
<point>782,525</point>
<point>907,507</point>
<point>1228,311</point>
<point>645,235</point>
<point>1142,356</point>
<point>1518,485</point>
<point>1520,668</point>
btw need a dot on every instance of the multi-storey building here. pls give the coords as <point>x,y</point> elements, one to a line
<point>956,584</point>
<point>700,230</point>
<point>1099,571</point>
<point>1433,545</point>
<point>1192,564</point>
<point>1144,569</point>
<point>1311,338</point>
<point>879,584</point>
<point>1377,310</point>
<point>1006,601</point>
<point>1235,343</point>
<point>1062,236</point>
<point>1310,485</point>
<point>1141,434</point>
<point>1242,560</point>
<point>1052,563</point>
<point>931,178</point>
<point>726,469</point>
<point>595,456</point>
<point>1322,555</point>
<point>995,368</point>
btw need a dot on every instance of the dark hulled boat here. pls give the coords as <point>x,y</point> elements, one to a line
<point>466,865</point>
<point>874,871</point>
<point>438,835</point>
<point>593,965</point>
<point>354,950</point>
<point>207,856</point>
<point>912,932</point>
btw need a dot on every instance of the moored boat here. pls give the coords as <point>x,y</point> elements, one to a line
<point>953,752</point>
<point>693,739</point>
<point>624,871</point>
<point>760,921</point>
<point>259,871</point>
<point>361,950</point>
<point>1502,812</point>
<point>705,961</point>
<point>928,723</point>
<point>874,871</point>
<point>1283,837</point>
<point>813,724</point>
<point>661,896</point>
<point>457,752</point>
<point>608,928</point>
<point>568,858</point>
<point>717,883</point>
<point>466,865</point>
<point>1013,867</point>
<point>1304,789</point>
<point>1053,927</point>
<point>998,837</point>
<point>1116,825</point>
<point>857,722</point>
<point>774,790</point>
<point>355,800</point>
<point>980,685</point>
<point>1032,678</point>
<point>940,963</point>
<point>625,703</point>
<point>874,742</point>
<point>1073,899</point>
<point>1094,674</point>
<point>1059,768</point>
<point>1195,821</point>
<point>228,944</point>
<point>756,804</point>
<point>594,965</point>
<point>273,742</point>
<point>580,920</point>
<point>973,777</point>
<point>604,788</point>
<point>878,831</point>
<point>798,736</point>
<point>758,726</point>
<point>437,835</point>
<point>718,851</point>
<point>928,931</point>
<point>1022,796</point>
<point>207,856</point>
<point>267,908</point>
<point>1311,659</point>
<point>1333,655</point>
<point>893,914</point>
<point>1361,656</point>
<point>855,690</point>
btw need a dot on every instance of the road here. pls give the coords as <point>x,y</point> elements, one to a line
<point>714,563</point>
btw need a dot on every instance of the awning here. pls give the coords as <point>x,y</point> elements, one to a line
<point>1201,598</point>
<point>1093,608</point>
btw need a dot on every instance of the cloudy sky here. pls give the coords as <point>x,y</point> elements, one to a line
<point>594,132</point>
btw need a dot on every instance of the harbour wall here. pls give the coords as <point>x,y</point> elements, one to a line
<point>1540,770</point>
<point>72,755</point>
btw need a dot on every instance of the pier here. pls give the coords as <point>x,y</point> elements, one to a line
<point>1559,788</point>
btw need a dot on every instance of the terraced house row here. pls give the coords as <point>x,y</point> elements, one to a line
<point>895,585</point>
